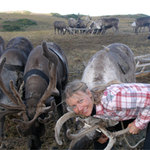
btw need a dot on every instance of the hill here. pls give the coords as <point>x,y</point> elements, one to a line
<point>45,21</point>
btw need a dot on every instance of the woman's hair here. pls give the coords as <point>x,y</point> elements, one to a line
<point>78,85</point>
<point>98,90</point>
<point>73,87</point>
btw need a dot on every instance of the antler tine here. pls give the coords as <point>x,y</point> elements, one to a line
<point>2,86</point>
<point>46,119</point>
<point>15,92</point>
<point>50,113</point>
<point>6,112</point>
<point>22,106</point>
<point>11,107</point>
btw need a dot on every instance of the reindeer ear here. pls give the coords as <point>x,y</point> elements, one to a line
<point>45,49</point>
<point>51,56</point>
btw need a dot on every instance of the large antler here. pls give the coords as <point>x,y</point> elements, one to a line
<point>18,103</point>
<point>100,127</point>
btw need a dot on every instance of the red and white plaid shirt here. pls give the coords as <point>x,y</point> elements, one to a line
<point>126,101</point>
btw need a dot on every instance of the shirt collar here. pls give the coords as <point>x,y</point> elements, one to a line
<point>94,110</point>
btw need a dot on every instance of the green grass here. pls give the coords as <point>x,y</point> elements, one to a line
<point>17,25</point>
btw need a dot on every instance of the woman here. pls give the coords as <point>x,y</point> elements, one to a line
<point>119,102</point>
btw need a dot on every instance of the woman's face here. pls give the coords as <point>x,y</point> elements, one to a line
<point>81,103</point>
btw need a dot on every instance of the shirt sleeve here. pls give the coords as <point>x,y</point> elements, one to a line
<point>143,118</point>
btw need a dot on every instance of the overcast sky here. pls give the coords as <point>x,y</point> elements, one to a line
<point>86,7</point>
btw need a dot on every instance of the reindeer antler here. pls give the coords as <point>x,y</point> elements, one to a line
<point>18,103</point>
<point>97,126</point>
<point>60,123</point>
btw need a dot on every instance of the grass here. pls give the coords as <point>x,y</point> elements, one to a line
<point>78,49</point>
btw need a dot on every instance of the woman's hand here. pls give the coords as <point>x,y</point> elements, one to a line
<point>133,129</point>
<point>103,139</point>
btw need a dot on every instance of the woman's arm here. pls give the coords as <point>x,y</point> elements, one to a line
<point>143,117</point>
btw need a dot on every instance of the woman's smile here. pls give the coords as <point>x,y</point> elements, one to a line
<point>81,103</point>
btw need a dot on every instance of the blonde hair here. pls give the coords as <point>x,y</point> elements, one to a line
<point>78,85</point>
<point>73,87</point>
<point>97,91</point>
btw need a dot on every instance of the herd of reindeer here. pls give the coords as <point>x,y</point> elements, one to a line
<point>32,81</point>
<point>99,26</point>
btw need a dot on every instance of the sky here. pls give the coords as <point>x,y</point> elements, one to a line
<point>85,7</point>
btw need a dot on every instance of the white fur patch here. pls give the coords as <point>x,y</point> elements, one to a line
<point>133,24</point>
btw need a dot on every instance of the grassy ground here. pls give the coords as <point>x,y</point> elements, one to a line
<point>78,49</point>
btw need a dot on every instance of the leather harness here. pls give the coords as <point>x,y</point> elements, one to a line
<point>42,74</point>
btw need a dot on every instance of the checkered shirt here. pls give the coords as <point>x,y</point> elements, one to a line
<point>126,101</point>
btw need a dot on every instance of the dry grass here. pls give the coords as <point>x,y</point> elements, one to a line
<point>78,49</point>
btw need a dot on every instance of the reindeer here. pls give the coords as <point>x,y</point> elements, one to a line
<point>60,27</point>
<point>16,53</point>
<point>101,25</point>
<point>79,23</point>
<point>142,22</point>
<point>114,62</point>
<point>45,69</point>
<point>107,23</point>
